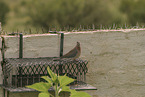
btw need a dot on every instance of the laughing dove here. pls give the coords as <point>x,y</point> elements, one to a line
<point>74,53</point>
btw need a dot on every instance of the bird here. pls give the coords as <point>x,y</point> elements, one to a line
<point>74,53</point>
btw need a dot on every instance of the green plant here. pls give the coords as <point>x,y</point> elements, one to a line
<point>70,14</point>
<point>4,10</point>
<point>134,11</point>
<point>59,84</point>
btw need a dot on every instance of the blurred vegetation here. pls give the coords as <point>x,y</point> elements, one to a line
<point>135,11</point>
<point>27,15</point>
<point>71,13</point>
<point>3,11</point>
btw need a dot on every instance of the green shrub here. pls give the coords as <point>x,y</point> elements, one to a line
<point>134,9</point>
<point>72,13</point>
<point>4,9</point>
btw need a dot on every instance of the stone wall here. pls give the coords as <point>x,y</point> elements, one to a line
<point>116,58</point>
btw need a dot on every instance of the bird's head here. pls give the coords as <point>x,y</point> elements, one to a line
<point>78,44</point>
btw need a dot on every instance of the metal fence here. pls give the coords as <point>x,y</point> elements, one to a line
<point>19,72</point>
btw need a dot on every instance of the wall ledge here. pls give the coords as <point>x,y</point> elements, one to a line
<point>80,32</point>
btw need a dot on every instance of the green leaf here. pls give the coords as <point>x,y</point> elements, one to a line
<point>44,95</point>
<point>73,91</point>
<point>41,86</point>
<point>79,94</point>
<point>66,88</point>
<point>52,75</point>
<point>64,80</point>
<point>49,80</point>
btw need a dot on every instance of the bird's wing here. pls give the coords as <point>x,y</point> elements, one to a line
<point>71,54</point>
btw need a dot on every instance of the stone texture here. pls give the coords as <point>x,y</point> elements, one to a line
<point>116,58</point>
<point>41,46</point>
<point>11,46</point>
<point>33,46</point>
<point>116,62</point>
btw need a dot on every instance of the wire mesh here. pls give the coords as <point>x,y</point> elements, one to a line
<point>19,72</point>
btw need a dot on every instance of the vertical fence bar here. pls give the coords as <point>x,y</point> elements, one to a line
<point>20,56</point>
<point>61,44</point>
<point>61,52</point>
<point>21,46</point>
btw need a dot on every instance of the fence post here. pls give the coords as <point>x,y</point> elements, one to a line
<point>61,44</point>
<point>21,46</point>
<point>61,51</point>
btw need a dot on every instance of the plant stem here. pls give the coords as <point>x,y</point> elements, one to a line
<point>51,95</point>
<point>56,90</point>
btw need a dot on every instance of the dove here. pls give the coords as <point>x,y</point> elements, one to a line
<point>74,53</point>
